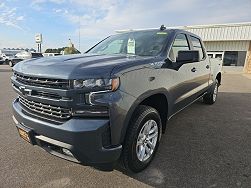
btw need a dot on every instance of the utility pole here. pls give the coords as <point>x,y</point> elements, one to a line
<point>79,35</point>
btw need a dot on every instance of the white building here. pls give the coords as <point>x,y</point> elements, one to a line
<point>231,42</point>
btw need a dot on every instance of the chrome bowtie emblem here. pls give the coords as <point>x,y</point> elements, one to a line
<point>25,91</point>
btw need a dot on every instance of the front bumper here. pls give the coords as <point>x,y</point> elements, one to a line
<point>82,137</point>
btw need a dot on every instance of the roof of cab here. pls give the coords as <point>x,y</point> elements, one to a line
<point>175,30</point>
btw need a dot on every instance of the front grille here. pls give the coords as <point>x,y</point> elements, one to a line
<point>43,82</point>
<point>45,109</point>
<point>44,94</point>
<point>48,95</point>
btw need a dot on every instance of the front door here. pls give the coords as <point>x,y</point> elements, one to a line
<point>184,79</point>
<point>202,67</point>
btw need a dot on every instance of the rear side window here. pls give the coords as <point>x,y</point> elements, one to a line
<point>180,44</point>
<point>197,46</point>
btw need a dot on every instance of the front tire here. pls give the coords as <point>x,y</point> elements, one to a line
<point>142,139</point>
<point>211,96</point>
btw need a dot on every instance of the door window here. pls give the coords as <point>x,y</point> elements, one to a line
<point>197,46</point>
<point>180,43</point>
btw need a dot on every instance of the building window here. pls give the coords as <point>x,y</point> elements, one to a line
<point>234,58</point>
<point>230,59</point>
<point>210,55</point>
<point>218,56</point>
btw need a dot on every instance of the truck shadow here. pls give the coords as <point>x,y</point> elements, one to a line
<point>205,146</point>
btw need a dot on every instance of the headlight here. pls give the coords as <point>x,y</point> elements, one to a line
<point>100,84</point>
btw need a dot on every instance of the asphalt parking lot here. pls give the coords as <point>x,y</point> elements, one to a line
<point>204,146</point>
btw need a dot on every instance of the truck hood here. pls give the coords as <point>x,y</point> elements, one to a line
<point>76,66</point>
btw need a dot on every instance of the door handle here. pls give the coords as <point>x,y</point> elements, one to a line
<point>151,78</point>
<point>207,67</point>
<point>193,69</point>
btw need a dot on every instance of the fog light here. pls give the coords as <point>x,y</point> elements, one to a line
<point>67,152</point>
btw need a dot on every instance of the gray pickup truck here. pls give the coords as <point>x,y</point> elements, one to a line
<point>112,103</point>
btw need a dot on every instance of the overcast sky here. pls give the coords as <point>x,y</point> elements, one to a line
<point>59,20</point>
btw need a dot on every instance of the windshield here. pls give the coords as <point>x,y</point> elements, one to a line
<point>142,43</point>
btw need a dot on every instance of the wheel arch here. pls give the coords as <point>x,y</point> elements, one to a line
<point>148,99</point>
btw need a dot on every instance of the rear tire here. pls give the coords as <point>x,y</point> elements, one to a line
<point>211,96</point>
<point>142,139</point>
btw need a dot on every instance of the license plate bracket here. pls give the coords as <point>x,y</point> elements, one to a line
<point>26,134</point>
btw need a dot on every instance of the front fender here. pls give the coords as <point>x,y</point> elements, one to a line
<point>136,103</point>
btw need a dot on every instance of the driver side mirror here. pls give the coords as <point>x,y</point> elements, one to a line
<point>187,56</point>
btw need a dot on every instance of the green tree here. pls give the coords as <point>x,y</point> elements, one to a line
<point>67,50</point>
<point>56,50</point>
<point>48,50</point>
<point>71,50</point>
